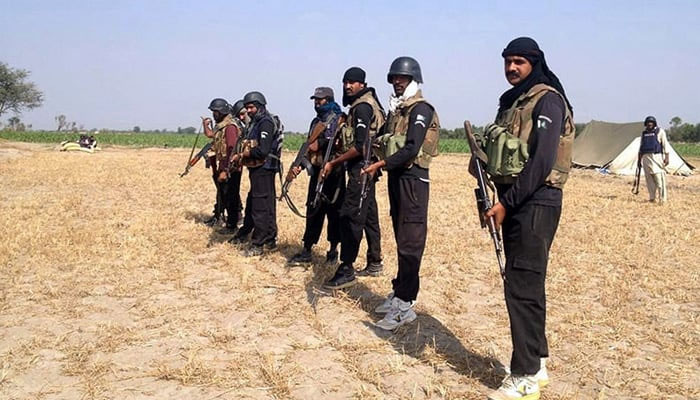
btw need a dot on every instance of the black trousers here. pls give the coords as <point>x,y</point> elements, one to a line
<point>261,207</point>
<point>527,236</point>
<point>314,218</point>
<point>408,199</point>
<point>354,221</point>
<point>231,195</point>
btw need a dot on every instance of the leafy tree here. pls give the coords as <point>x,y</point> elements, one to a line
<point>14,124</point>
<point>62,123</point>
<point>189,129</point>
<point>675,122</point>
<point>683,132</point>
<point>16,94</point>
<point>137,129</point>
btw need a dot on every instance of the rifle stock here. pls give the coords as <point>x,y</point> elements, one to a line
<point>194,160</point>
<point>483,202</point>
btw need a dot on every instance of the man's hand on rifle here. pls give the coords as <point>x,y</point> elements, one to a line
<point>372,168</point>
<point>666,159</point>
<point>327,169</point>
<point>294,172</point>
<point>498,212</point>
<point>222,176</point>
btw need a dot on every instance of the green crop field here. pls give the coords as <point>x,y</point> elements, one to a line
<point>687,149</point>
<point>291,141</point>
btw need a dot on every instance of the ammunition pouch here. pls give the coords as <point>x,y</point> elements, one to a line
<point>249,144</point>
<point>507,154</point>
<point>347,138</point>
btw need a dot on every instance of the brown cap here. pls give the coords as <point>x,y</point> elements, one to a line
<point>322,92</point>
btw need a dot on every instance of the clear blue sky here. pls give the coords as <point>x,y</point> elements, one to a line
<point>157,64</point>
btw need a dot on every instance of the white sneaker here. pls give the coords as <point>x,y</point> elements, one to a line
<point>386,305</point>
<point>542,376</point>
<point>401,312</point>
<point>517,388</point>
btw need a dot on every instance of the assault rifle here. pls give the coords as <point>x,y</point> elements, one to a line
<point>192,161</point>
<point>637,173</point>
<point>483,202</point>
<point>365,178</point>
<point>320,196</point>
<point>300,160</point>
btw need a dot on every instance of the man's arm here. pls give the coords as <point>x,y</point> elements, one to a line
<point>207,126</point>
<point>363,119</point>
<point>548,120</point>
<point>231,136</point>
<point>664,145</point>
<point>421,116</point>
<point>267,131</point>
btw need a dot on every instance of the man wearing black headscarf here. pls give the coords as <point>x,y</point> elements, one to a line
<point>365,119</point>
<point>529,150</point>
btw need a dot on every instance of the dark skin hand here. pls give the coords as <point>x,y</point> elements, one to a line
<point>498,212</point>
<point>237,157</point>
<point>372,168</point>
<point>207,126</point>
<point>348,155</point>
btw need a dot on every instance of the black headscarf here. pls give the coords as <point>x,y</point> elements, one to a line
<point>528,48</point>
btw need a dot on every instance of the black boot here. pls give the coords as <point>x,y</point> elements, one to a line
<point>344,277</point>
<point>373,268</point>
<point>301,258</point>
<point>331,257</point>
<point>239,238</point>
<point>270,245</point>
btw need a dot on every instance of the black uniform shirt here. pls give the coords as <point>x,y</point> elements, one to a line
<point>267,132</point>
<point>548,125</point>
<point>418,121</point>
<point>362,120</point>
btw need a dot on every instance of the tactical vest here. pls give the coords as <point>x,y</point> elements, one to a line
<point>272,161</point>
<point>396,128</point>
<point>219,145</point>
<point>347,135</point>
<point>506,142</point>
<point>331,121</point>
<point>650,142</point>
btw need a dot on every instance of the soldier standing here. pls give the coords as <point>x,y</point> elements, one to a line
<point>365,118</point>
<point>259,155</point>
<point>225,136</point>
<point>240,118</point>
<point>406,147</point>
<point>537,113</point>
<point>329,113</point>
<point>653,157</point>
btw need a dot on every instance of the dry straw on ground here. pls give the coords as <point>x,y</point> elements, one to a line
<point>113,288</point>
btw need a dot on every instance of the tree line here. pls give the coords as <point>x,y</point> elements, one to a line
<point>18,94</point>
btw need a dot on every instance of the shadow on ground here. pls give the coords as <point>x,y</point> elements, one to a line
<point>414,338</point>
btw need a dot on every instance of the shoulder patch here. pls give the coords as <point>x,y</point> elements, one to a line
<point>543,121</point>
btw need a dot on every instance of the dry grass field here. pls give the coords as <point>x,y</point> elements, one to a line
<point>113,288</point>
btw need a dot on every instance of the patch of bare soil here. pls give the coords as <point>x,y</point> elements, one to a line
<point>113,288</point>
